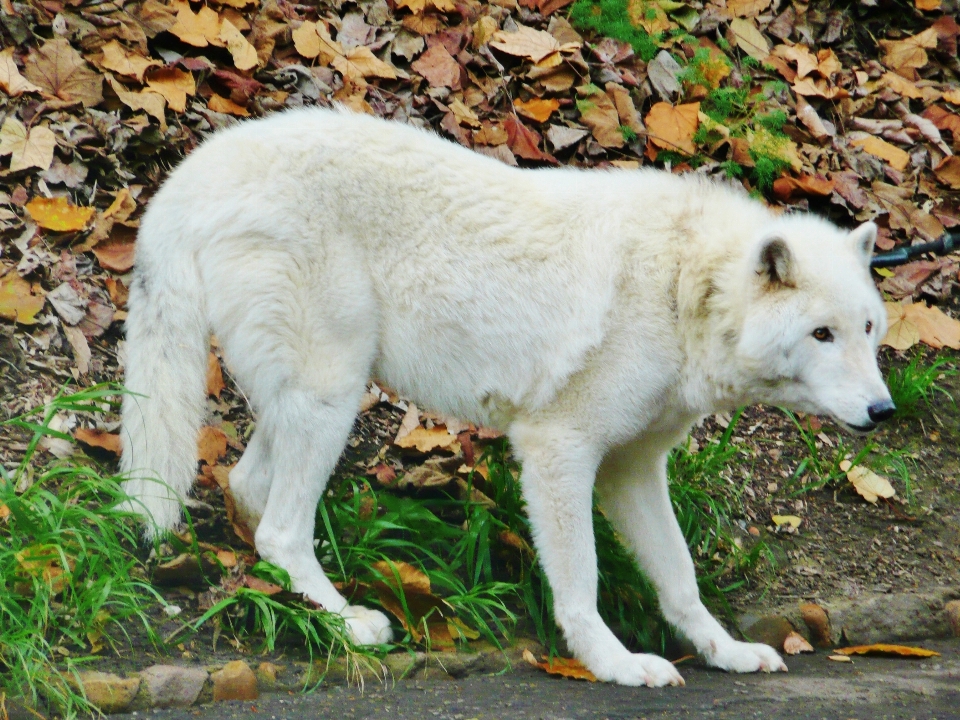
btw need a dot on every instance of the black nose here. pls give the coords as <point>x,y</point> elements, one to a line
<point>881,411</point>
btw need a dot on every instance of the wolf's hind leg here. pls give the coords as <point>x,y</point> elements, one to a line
<point>305,431</point>
<point>632,485</point>
<point>250,480</point>
<point>557,478</point>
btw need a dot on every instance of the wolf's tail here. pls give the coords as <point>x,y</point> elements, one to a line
<point>166,360</point>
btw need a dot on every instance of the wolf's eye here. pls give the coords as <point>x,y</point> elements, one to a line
<point>823,334</point>
<point>869,327</point>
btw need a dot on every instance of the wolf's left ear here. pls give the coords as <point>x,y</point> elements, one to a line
<point>862,240</point>
<point>775,263</point>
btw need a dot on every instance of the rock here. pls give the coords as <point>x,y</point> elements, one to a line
<point>771,629</point>
<point>818,622</point>
<point>952,610</point>
<point>236,681</point>
<point>891,618</point>
<point>267,675</point>
<point>111,693</point>
<point>165,686</point>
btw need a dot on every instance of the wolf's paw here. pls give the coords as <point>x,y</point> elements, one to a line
<point>637,669</point>
<point>742,657</point>
<point>366,626</point>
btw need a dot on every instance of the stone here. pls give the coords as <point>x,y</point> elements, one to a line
<point>771,630</point>
<point>236,681</point>
<point>817,622</point>
<point>110,693</point>
<point>166,686</point>
<point>952,610</point>
<point>267,675</point>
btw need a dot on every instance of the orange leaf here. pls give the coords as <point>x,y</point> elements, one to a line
<point>937,329</point>
<point>174,85</point>
<point>214,376</point>
<point>59,214</point>
<point>223,105</point>
<point>816,185</point>
<point>211,445</point>
<point>672,128</point>
<point>537,108</point>
<point>884,649</point>
<point>19,299</point>
<point>200,29</point>
<point>948,171</point>
<point>897,158</point>
<point>99,438</point>
<point>927,5</point>
<point>565,667</point>
<point>126,62</point>
<point>116,256</point>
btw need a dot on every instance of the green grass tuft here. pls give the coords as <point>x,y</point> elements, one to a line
<point>914,385</point>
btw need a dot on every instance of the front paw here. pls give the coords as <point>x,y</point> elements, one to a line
<point>741,657</point>
<point>635,669</point>
<point>366,626</point>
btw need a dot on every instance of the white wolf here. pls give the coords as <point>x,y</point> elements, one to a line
<point>591,315</point>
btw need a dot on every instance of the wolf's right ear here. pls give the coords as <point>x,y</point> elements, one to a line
<point>863,239</point>
<point>775,263</point>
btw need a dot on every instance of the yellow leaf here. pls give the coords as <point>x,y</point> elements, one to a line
<point>565,667</point>
<point>902,332</point>
<point>673,128</point>
<point>806,61</point>
<point>150,102</point>
<point>126,62</point>
<point>897,158</point>
<point>936,328</point>
<point>747,8</point>
<point>436,438</point>
<point>26,149</point>
<point>59,214</point>
<point>537,108</point>
<point>791,520</point>
<point>748,38</point>
<point>526,42</point>
<point>19,300</point>
<point>197,29</point>
<point>867,483</point>
<point>911,53</point>
<point>306,40</point>
<point>224,105</point>
<point>244,54</point>
<point>927,5</point>
<point>174,84</point>
<point>952,96</point>
<point>12,82</point>
<point>885,649</point>
<point>360,62</point>
<point>900,84</point>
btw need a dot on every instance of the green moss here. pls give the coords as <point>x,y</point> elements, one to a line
<point>628,134</point>
<point>610,18</point>
<point>732,169</point>
<point>773,121</point>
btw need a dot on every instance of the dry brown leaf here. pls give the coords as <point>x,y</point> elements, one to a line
<point>673,128</point>
<point>523,141</point>
<point>221,475</point>
<point>426,610</point>
<point>11,81</point>
<point>565,667</point>
<point>438,67</point>
<point>902,331</point>
<point>59,214</point>
<point>150,102</point>
<point>598,113</point>
<point>306,40</point>
<point>748,38</point>
<point>900,85</point>
<point>244,54</point>
<point>174,84</point>
<point>867,483</point>
<point>937,329</point>
<point>806,61</point>
<point>98,438</point>
<point>27,149</point>
<point>909,54</point>
<point>839,658</point>
<point>819,88</point>
<point>795,643</point>
<point>59,70</point>
<point>424,440</point>
<point>215,384</point>
<point>211,444</point>
<point>898,159</point>
<point>813,185</point>
<point>126,62</point>
<point>886,649</point>
<point>225,105</point>
<point>538,109</point>
<point>20,300</point>
<point>927,5</point>
<point>952,96</point>
<point>817,621</point>
<point>360,62</point>
<point>526,42</point>
<point>747,8</point>
<point>418,7</point>
<point>198,29</point>
<point>117,256</point>
<point>948,171</point>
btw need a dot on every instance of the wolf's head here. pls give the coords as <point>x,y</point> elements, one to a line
<point>813,320</point>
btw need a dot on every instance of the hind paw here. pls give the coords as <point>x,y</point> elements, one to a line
<point>366,626</point>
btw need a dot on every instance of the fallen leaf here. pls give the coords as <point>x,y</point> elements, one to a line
<point>244,54</point>
<point>430,474</point>
<point>174,85</point>
<point>211,444</point>
<point>948,171</point>
<point>360,62</point>
<point>224,105</point>
<point>791,520</point>
<point>819,88</point>
<point>80,347</point>
<point>747,8</point>
<point>59,70</point>
<point>255,583</point>
<point>867,483</point>
<point>598,113</point>
<point>116,256</point>
<point>748,38</point>
<point>806,61</point>
<point>936,328</point>
<point>421,613</point>
<point>424,440</point>
<point>526,42</point>
<point>538,109</point>
<point>198,29</point>
<point>625,107</point>
<point>12,82</point>
<point>227,558</point>
<point>523,141</point>
<point>888,650</point>
<point>897,158</point>
<point>20,300</point>
<point>565,667</point>
<point>839,658</point>
<point>27,149</point>
<point>673,128</point>
<point>817,621</point>
<point>59,214</point>
<point>100,439</point>
<point>902,331</point>
<point>909,54</point>
<point>221,475</point>
<point>150,102</point>
<point>126,62</point>
<point>215,384</point>
<point>438,67</point>
<point>795,643</point>
<point>927,5</point>
<point>813,185</point>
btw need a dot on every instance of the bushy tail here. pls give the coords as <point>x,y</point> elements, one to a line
<point>166,359</point>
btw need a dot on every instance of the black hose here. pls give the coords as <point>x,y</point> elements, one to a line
<point>947,243</point>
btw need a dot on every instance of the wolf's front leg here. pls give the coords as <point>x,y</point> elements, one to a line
<point>557,479</point>
<point>632,483</point>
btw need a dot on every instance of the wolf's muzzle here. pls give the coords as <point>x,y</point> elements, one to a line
<point>881,411</point>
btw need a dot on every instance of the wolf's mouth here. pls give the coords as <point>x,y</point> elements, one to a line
<point>859,429</point>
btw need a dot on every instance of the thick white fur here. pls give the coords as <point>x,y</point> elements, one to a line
<point>593,316</point>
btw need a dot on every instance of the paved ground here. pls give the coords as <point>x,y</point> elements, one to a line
<point>866,689</point>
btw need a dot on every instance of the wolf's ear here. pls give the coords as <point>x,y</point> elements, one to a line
<point>775,263</point>
<point>862,240</point>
